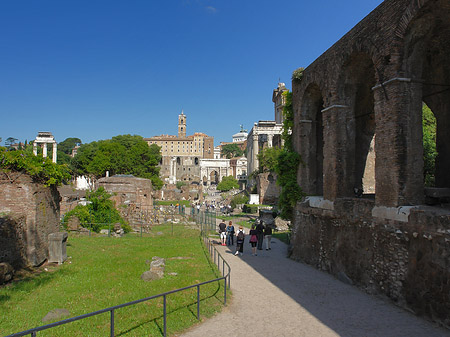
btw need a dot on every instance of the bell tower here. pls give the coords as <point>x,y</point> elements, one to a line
<point>182,125</point>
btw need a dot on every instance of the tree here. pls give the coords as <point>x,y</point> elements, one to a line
<point>41,170</point>
<point>124,154</point>
<point>10,141</point>
<point>227,184</point>
<point>98,213</point>
<point>429,145</point>
<point>231,150</point>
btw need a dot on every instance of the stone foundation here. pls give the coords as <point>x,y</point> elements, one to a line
<point>403,253</point>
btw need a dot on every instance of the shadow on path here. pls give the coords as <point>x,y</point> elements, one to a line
<point>280,297</point>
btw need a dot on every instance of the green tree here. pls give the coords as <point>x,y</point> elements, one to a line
<point>227,183</point>
<point>98,213</point>
<point>124,154</point>
<point>429,145</point>
<point>9,142</point>
<point>231,150</point>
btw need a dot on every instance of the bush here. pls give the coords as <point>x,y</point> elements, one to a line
<point>252,209</point>
<point>238,200</point>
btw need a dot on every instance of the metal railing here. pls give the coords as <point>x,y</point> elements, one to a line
<point>214,254</point>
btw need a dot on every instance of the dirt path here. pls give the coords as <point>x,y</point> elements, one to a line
<point>275,296</point>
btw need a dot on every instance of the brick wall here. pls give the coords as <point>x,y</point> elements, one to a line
<point>29,213</point>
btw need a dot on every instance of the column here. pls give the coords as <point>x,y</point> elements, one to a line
<point>44,151</point>
<point>35,148</point>
<point>54,152</point>
<point>255,151</point>
<point>337,149</point>
<point>398,143</point>
<point>269,140</point>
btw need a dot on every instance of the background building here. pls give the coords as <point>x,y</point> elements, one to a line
<point>181,154</point>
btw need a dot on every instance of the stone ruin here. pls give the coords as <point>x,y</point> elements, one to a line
<point>29,213</point>
<point>363,98</point>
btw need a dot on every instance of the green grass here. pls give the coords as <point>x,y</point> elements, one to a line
<point>104,272</point>
<point>186,203</point>
<point>282,236</point>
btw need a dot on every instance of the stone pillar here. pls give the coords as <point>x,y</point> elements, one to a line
<point>398,145</point>
<point>44,151</point>
<point>270,140</point>
<point>303,144</point>
<point>337,180</point>
<point>255,151</point>
<point>54,153</point>
<point>35,148</point>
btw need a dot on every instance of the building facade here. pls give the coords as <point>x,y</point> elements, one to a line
<point>181,154</point>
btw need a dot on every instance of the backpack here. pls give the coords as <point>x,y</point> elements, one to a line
<point>240,236</point>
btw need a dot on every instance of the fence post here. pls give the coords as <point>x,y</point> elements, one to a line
<point>198,302</point>
<point>164,314</point>
<point>225,292</point>
<point>112,323</point>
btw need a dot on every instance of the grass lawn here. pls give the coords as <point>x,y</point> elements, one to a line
<point>104,272</point>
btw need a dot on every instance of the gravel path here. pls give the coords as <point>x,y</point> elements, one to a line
<point>275,296</point>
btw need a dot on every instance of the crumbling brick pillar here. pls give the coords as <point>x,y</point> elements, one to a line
<point>398,144</point>
<point>337,180</point>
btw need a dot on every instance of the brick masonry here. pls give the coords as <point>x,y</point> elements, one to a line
<point>366,92</point>
<point>29,212</point>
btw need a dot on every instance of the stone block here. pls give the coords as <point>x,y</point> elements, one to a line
<point>57,247</point>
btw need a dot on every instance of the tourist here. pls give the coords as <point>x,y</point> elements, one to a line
<point>260,234</point>
<point>222,232</point>
<point>230,234</point>
<point>268,236</point>
<point>253,239</point>
<point>240,238</point>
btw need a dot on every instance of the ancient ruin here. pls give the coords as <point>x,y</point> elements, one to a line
<point>366,92</point>
<point>29,213</point>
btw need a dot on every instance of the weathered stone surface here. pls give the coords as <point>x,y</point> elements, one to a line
<point>32,214</point>
<point>57,248</point>
<point>56,315</point>
<point>156,272</point>
<point>6,272</point>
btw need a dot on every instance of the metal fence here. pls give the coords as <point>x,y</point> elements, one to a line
<point>207,227</point>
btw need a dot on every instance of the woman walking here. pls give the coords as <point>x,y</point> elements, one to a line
<point>253,239</point>
<point>240,237</point>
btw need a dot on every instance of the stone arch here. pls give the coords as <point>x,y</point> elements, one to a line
<point>356,82</point>
<point>427,66</point>
<point>311,130</point>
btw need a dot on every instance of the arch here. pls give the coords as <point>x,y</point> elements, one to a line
<point>427,64</point>
<point>311,126</point>
<point>357,80</point>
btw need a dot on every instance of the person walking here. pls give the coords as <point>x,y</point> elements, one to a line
<point>222,232</point>
<point>253,239</point>
<point>268,236</point>
<point>230,234</point>
<point>260,234</point>
<point>240,238</point>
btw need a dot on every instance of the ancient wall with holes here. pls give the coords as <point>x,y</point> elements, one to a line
<point>358,128</point>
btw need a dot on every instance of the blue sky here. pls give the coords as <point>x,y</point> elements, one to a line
<point>99,68</point>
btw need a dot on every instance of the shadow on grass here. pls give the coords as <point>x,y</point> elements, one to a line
<point>29,283</point>
<point>191,307</point>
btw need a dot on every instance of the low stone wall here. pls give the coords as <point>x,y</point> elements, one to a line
<point>29,212</point>
<point>403,253</point>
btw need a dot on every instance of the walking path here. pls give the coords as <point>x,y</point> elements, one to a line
<point>275,296</point>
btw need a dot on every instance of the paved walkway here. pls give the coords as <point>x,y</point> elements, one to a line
<point>275,296</point>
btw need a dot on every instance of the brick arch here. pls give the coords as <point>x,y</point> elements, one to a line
<point>427,64</point>
<point>357,78</point>
<point>310,125</point>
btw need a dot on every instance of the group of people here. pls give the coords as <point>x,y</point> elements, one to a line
<point>258,233</point>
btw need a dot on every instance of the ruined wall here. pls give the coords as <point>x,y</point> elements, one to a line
<point>268,189</point>
<point>29,212</point>
<point>408,261</point>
